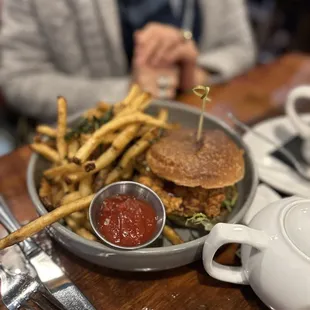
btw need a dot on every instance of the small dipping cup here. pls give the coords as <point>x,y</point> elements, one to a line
<point>140,192</point>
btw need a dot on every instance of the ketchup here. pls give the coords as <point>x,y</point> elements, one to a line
<point>126,221</point>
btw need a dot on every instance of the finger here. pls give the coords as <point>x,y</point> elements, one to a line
<point>144,55</point>
<point>146,34</point>
<point>174,54</point>
<point>164,48</point>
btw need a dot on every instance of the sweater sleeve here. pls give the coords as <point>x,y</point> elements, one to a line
<point>236,51</point>
<point>29,79</point>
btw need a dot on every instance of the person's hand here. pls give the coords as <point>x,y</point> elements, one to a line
<point>192,75</point>
<point>162,45</point>
<point>159,82</point>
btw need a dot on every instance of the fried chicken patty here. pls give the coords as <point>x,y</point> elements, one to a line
<point>185,201</point>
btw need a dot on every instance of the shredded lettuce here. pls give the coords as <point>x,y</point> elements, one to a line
<point>200,219</point>
<point>230,202</point>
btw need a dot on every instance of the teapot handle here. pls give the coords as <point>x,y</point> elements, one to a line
<point>221,234</point>
<point>293,96</point>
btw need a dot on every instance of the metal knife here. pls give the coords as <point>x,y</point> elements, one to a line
<point>51,275</point>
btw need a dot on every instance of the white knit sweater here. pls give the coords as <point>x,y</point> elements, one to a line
<point>74,48</point>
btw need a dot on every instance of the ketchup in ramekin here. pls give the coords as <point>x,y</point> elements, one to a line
<point>126,221</point>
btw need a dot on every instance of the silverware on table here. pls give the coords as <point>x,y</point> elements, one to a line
<point>301,169</point>
<point>20,286</point>
<point>51,275</point>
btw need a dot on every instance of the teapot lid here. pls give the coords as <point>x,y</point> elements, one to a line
<point>297,225</point>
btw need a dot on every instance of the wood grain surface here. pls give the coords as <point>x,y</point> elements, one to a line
<point>254,96</point>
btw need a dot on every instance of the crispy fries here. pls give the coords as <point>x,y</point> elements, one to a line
<point>133,93</point>
<point>73,147</point>
<point>85,186</point>
<point>171,235</point>
<point>138,117</point>
<point>45,193</point>
<point>103,106</point>
<point>123,168</point>
<point>45,151</point>
<point>71,197</point>
<point>62,127</point>
<point>61,170</point>
<point>46,131</point>
<point>45,220</point>
<point>100,150</point>
<point>83,232</point>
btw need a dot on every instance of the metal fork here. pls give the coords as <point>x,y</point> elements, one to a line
<point>20,287</point>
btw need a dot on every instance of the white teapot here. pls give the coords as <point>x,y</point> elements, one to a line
<point>275,254</point>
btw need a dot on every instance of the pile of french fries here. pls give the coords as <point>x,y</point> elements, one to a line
<point>84,162</point>
<point>101,150</point>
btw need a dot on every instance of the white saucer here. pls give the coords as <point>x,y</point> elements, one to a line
<point>271,170</point>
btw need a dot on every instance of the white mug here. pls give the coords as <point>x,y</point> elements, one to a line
<point>302,128</point>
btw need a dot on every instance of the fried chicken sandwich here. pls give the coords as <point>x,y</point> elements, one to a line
<point>196,181</point>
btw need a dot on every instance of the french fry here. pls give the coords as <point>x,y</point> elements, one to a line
<point>45,151</point>
<point>94,112</point>
<point>45,188</point>
<point>128,172</point>
<point>45,220</point>
<point>138,104</point>
<point>83,232</point>
<point>100,178</point>
<point>72,223</point>
<point>109,138</point>
<point>171,235</point>
<point>87,225</point>
<point>71,197</point>
<point>114,175</point>
<point>61,170</point>
<point>57,197</point>
<point>73,178</point>
<point>84,137</point>
<point>103,106</point>
<point>116,149</point>
<point>64,186</point>
<point>134,151</point>
<point>133,93</point>
<point>85,186</point>
<point>163,115</point>
<point>71,187</point>
<point>61,127</point>
<point>79,217</point>
<point>46,131</point>
<point>45,193</point>
<point>141,102</point>
<point>73,147</point>
<point>85,151</point>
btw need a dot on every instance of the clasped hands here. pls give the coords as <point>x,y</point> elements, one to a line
<point>165,61</point>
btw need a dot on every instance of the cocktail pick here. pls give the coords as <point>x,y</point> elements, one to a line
<point>202,92</point>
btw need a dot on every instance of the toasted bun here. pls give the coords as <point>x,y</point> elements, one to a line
<point>213,163</point>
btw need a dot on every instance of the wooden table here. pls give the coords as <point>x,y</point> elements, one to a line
<point>254,96</point>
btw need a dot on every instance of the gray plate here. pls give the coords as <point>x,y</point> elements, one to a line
<point>162,255</point>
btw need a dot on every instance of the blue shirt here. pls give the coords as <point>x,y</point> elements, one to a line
<point>135,14</point>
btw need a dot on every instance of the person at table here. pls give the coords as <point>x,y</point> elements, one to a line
<point>93,50</point>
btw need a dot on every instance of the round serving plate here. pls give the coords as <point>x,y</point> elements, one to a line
<point>162,255</point>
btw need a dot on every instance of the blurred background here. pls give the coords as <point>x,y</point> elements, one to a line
<point>279,26</point>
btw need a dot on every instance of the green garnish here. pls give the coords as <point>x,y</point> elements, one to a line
<point>230,202</point>
<point>200,219</point>
<point>89,126</point>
